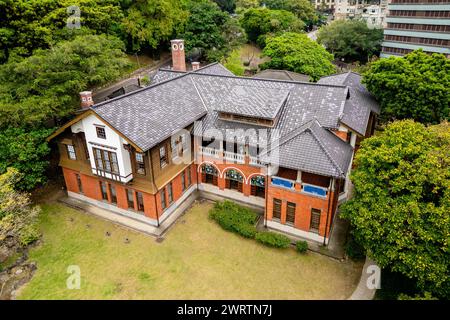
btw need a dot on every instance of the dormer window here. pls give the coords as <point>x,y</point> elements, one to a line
<point>101,133</point>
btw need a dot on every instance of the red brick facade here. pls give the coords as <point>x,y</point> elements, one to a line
<point>152,203</point>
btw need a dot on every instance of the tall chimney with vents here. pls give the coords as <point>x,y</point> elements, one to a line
<point>178,57</point>
<point>195,65</point>
<point>86,99</point>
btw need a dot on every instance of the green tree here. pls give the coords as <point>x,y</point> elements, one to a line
<point>26,151</point>
<point>211,30</point>
<point>296,52</point>
<point>46,84</point>
<point>400,210</point>
<point>247,4</point>
<point>352,40</point>
<point>17,217</point>
<point>416,86</point>
<point>303,9</point>
<point>259,22</point>
<point>147,23</point>
<point>226,5</point>
<point>234,64</point>
<point>27,25</point>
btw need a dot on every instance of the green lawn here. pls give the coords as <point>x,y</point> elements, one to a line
<point>196,260</point>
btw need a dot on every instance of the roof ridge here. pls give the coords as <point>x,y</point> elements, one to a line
<point>136,91</point>
<point>273,80</point>
<point>325,149</point>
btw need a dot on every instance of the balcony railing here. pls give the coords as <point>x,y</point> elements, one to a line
<point>282,182</point>
<point>215,153</point>
<point>255,161</point>
<point>234,157</point>
<point>315,190</point>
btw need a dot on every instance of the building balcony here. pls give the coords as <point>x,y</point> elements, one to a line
<point>314,190</point>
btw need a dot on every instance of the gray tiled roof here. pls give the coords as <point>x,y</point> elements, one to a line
<point>314,149</point>
<point>281,75</point>
<point>253,101</point>
<point>152,114</point>
<point>357,109</point>
<point>213,69</point>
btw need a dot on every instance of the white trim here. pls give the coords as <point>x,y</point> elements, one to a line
<point>295,232</point>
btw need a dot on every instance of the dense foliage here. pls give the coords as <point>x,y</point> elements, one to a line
<point>260,22</point>
<point>273,239</point>
<point>416,86</point>
<point>211,31</point>
<point>235,218</point>
<point>351,40</point>
<point>296,52</point>
<point>401,205</point>
<point>147,23</point>
<point>27,25</point>
<point>303,9</point>
<point>17,217</point>
<point>47,84</point>
<point>301,246</point>
<point>26,151</point>
<point>226,5</point>
<point>234,64</point>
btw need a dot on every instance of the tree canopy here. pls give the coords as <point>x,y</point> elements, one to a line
<point>352,40</point>
<point>46,84</point>
<point>401,205</point>
<point>416,86</point>
<point>303,9</point>
<point>296,52</point>
<point>17,217</point>
<point>226,5</point>
<point>27,25</point>
<point>211,30</point>
<point>259,22</point>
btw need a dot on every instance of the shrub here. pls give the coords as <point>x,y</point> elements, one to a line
<point>246,230</point>
<point>273,239</point>
<point>301,246</point>
<point>28,235</point>
<point>235,218</point>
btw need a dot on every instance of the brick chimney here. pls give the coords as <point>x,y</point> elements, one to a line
<point>195,65</point>
<point>86,99</point>
<point>178,56</point>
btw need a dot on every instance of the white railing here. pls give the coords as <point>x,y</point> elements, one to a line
<point>215,153</point>
<point>234,157</point>
<point>255,161</point>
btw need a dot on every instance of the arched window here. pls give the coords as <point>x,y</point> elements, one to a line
<point>234,180</point>
<point>209,174</point>
<point>258,186</point>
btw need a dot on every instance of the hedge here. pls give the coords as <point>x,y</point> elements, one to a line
<point>235,218</point>
<point>273,239</point>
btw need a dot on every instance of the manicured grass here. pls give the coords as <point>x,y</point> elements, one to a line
<point>196,260</point>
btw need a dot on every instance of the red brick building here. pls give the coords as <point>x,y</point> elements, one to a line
<point>283,147</point>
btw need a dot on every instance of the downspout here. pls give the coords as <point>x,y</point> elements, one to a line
<point>328,212</point>
<point>154,184</point>
<point>267,196</point>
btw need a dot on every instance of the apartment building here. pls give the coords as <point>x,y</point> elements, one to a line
<point>283,147</point>
<point>371,11</point>
<point>414,24</point>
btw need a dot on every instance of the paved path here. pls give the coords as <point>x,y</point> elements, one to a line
<point>362,291</point>
<point>101,94</point>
